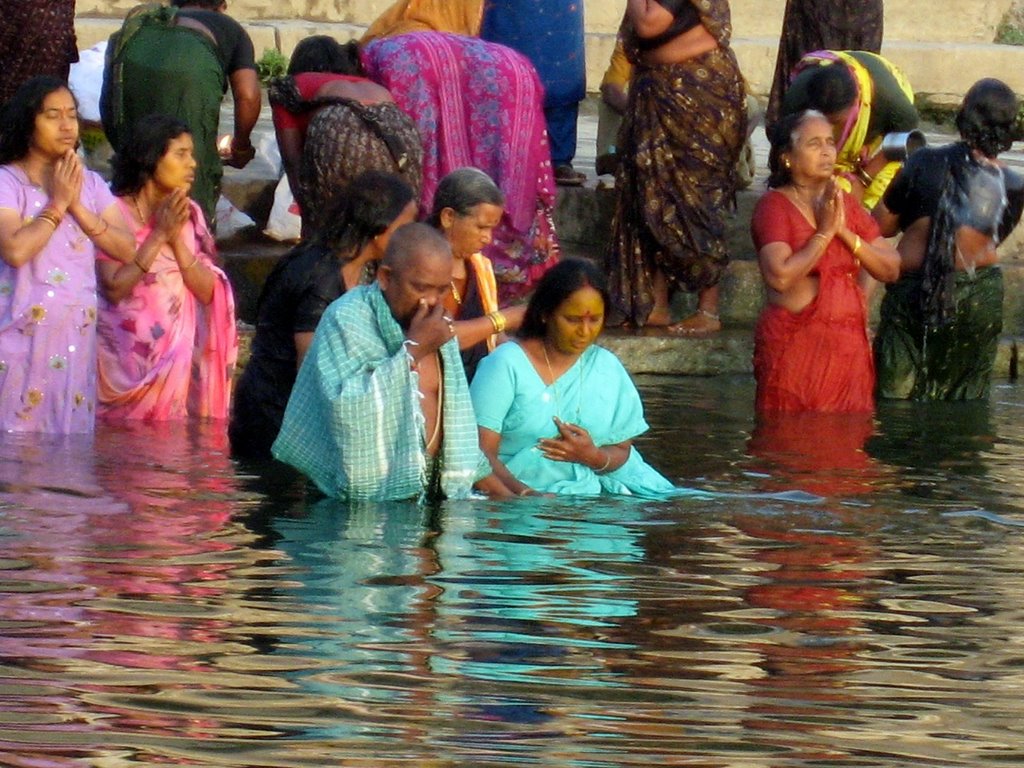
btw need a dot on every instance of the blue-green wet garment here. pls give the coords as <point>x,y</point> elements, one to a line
<point>354,423</point>
<point>596,393</point>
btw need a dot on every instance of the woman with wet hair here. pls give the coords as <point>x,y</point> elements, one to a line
<point>940,323</point>
<point>342,254</point>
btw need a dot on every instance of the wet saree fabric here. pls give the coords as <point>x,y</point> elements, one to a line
<point>596,393</point>
<point>478,104</point>
<point>48,318</point>
<point>952,361</point>
<point>304,282</point>
<point>818,359</point>
<point>678,146</point>
<point>163,355</point>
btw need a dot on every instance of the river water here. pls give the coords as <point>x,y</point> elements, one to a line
<point>162,605</point>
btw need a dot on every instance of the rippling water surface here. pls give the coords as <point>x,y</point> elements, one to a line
<point>161,605</point>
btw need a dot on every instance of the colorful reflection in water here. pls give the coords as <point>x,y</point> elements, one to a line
<point>162,605</point>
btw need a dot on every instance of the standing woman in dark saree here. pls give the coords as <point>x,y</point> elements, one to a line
<point>679,143</point>
<point>36,38</point>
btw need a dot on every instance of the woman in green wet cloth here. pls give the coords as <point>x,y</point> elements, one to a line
<point>940,323</point>
<point>556,412</point>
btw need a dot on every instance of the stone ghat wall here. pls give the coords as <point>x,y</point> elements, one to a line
<point>602,16</point>
<point>943,46</point>
<point>905,20</point>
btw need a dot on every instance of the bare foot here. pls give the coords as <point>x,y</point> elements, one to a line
<point>658,318</point>
<point>700,323</point>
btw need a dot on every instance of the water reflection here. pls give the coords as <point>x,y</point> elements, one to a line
<point>821,453</point>
<point>162,605</point>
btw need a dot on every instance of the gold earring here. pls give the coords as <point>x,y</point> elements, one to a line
<point>786,162</point>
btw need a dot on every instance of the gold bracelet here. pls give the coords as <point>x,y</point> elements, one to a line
<point>498,320</point>
<point>138,264</point>
<point>49,218</point>
<point>607,461</point>
<point>52,213</point>
<point>823,236</point>
<point>194,262</point>
<point>99,230</point>
<point>857,243</point>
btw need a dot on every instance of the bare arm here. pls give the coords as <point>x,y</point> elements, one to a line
<point>197,276</point>
<point>302,342</point>
<point>574,444</point>
<point>471,332</point>
<point>494,488</point>
<point>888,221</point>
<point>118,280</point>
<point>20,242</point>
<point>615,96</point>
<point>782,267</point>
<point>245,91</point>
<point>648,17</point>
<point>878,258</point>
<point>489,443</point>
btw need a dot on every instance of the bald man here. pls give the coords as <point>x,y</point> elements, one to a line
<point>380,410</point>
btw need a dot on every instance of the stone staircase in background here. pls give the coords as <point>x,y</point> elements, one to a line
<point>942,46</point>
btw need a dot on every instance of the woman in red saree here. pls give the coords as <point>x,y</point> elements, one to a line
<point>167,337</point>
<point>817,249</point>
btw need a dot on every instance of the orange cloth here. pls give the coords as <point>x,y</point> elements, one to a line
<point>487,287</point>
<point>459,17</point>
<point>619,69</point>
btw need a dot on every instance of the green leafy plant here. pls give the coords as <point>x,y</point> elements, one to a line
<point>272,64</point>
<point>1009,33</point>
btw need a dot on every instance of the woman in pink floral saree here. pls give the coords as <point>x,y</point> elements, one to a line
<point>167,337</point>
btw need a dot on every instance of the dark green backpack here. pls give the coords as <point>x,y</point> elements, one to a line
<point>111,95</point>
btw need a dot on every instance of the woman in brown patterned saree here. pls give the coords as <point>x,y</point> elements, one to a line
<point>679,145</point>
<point>822,25</point>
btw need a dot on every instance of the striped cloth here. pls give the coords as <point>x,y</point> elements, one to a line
<point>354,423</point>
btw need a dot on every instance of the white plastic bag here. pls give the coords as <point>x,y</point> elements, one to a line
<point>230,220</point>
<point>284,222</point>
<point>267,149</point>
<point>86,81</point>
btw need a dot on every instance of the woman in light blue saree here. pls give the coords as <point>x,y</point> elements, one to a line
<point>557,413</point>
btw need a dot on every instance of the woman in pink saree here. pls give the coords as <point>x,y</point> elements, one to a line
<point>476,104</point>
<point>167,337</point>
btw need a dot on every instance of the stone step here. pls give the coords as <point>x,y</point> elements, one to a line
<point>939,66</point>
